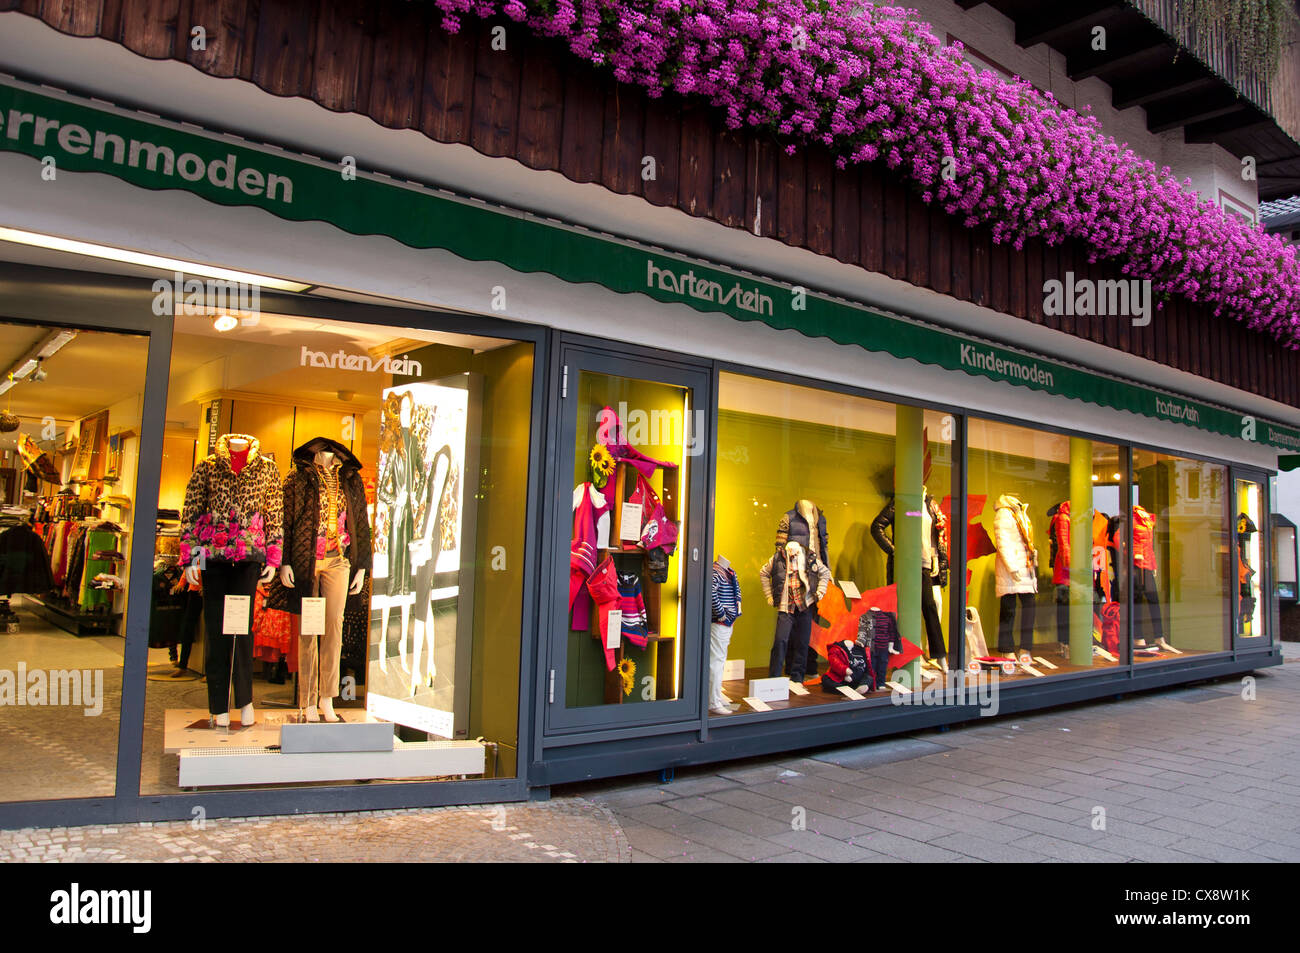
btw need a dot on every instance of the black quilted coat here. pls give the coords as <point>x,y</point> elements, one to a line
<point>302,514</point>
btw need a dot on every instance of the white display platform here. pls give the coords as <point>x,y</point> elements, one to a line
<point>239,766</point>
<point>186,729</point>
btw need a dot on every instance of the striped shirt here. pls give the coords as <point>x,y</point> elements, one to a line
<point>726,595</point>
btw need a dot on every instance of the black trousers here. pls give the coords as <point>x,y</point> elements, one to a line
<point>189,625</point>
<point>1007,614</point>
<point>1146,592</point>
<point>1063,612</point>
<point>930,613</point>
<point>228,658</point>
<point>790,647</point>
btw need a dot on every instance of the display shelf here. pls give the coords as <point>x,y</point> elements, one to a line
<point>78,623</point>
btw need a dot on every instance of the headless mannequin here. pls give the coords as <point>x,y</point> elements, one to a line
<point>238,457</point>
<point>404,421</point>
<point>324,460</point>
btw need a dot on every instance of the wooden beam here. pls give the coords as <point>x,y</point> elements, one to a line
<point>1211,129</point>
<point>1046,29</point>
<point>1150,91</point>
<point>1177,118</point>
<point>1108,64</point>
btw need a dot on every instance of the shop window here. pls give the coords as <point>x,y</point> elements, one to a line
<point>807,532</point>
<point>1248,545</point>
<point>70,405</point>
<point>1182,557</point>
<point>632,465</point>
<point>1045,580</point>
<point>340,552</point>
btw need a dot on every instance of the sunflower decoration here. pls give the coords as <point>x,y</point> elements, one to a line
<point>602,465</point>
<point>627,672</point>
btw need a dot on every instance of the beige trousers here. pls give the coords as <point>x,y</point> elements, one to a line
<point>318,668</point>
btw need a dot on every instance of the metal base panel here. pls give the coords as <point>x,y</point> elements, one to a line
<point>224,767</point>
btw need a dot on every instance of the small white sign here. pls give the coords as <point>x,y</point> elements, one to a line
<point>733,668</point>
<point>797,688</point>
<point>849,589</point>
<point>900,688</point>
<point>614,634</point>
<point>1031,670</point>
<point>629,526</point>
<point>1106,655</point>
<point>853,693</point>
<point>313,615</point>
<point>234,620</point>
<point>1043,662</point>
<point>757,704</point>
<point>770,689</point>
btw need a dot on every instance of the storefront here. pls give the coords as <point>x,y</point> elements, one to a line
<point>521,503</point>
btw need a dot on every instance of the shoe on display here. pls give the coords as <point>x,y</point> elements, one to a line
<point>720,711</point>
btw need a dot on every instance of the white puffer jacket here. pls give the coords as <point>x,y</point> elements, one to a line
<point>1017,571</point>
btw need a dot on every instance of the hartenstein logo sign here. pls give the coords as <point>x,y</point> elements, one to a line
<point>1177,410</point>
<point>689,285</point>
<point>341,360</point>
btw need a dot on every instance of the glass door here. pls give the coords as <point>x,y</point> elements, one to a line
<point>629,529</point>
<point>1248,542</point>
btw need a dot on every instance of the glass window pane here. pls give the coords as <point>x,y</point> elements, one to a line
<point>1249,558</point>
<point>806,479</point>
<point>1043,592</point>
<point>1181,557</point>
<point>393,498</point>
<point>69,440</point>
<point>631,470</point>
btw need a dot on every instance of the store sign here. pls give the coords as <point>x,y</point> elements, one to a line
<point>155,154</point>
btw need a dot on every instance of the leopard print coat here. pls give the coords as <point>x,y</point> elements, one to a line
<point>233,517</point>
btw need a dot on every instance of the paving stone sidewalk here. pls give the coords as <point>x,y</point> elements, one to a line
<point>1191,774</point>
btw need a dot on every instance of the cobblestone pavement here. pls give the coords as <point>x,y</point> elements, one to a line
<point>568,830</point>
<point>1192,774</point>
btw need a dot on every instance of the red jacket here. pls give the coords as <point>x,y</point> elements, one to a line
<point>1058,531</point>
<point>1144,539</point>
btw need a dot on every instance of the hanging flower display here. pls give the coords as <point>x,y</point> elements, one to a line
<point>627,672</point>
<point>602,466</point>
<point>873,83</point>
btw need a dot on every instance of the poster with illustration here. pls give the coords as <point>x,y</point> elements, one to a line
<point>419,504</point>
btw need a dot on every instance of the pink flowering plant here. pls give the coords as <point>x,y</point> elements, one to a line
<point>875,84</point>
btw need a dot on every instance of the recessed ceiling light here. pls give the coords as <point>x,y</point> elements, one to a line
<point>225,322</point>
<point>1116,476</point>
<point>111,253</point>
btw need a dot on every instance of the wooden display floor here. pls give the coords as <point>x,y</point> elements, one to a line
<point>187,728</point>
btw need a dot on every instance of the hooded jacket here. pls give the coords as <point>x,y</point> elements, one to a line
<point>1013,534</point>
<point>1144,539</point>
<point>882,531</point>
<point>1058,534</point>
<point>234,517</point>
<point>302,529</point>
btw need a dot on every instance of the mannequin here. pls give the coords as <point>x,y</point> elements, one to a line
<point>805,523</point>
<point>1017,572</point>
<point>231,537</point>
<point>794,581</point>
<point>424,558</point>
<point>1145,588</point>
<point>327,553</point>
<point>400,484</point>
<point>726,610</point>
<point>934,568</point>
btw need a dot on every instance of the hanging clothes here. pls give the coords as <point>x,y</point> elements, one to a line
<point>24,563</point>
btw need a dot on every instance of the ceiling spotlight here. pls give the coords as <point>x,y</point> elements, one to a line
<point>225,322</point>
<point>1095,478</point>
<point>1116,476</point>
<point>39,374</point>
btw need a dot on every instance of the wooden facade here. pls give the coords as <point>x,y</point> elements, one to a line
<point>535,102</point>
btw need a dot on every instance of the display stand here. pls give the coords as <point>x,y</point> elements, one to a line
<point>630,558</point>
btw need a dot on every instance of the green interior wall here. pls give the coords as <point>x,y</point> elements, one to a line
<point>1193,551</point>
<point>586,672</point>
<point>501,484</point>
<point>765,466</point>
